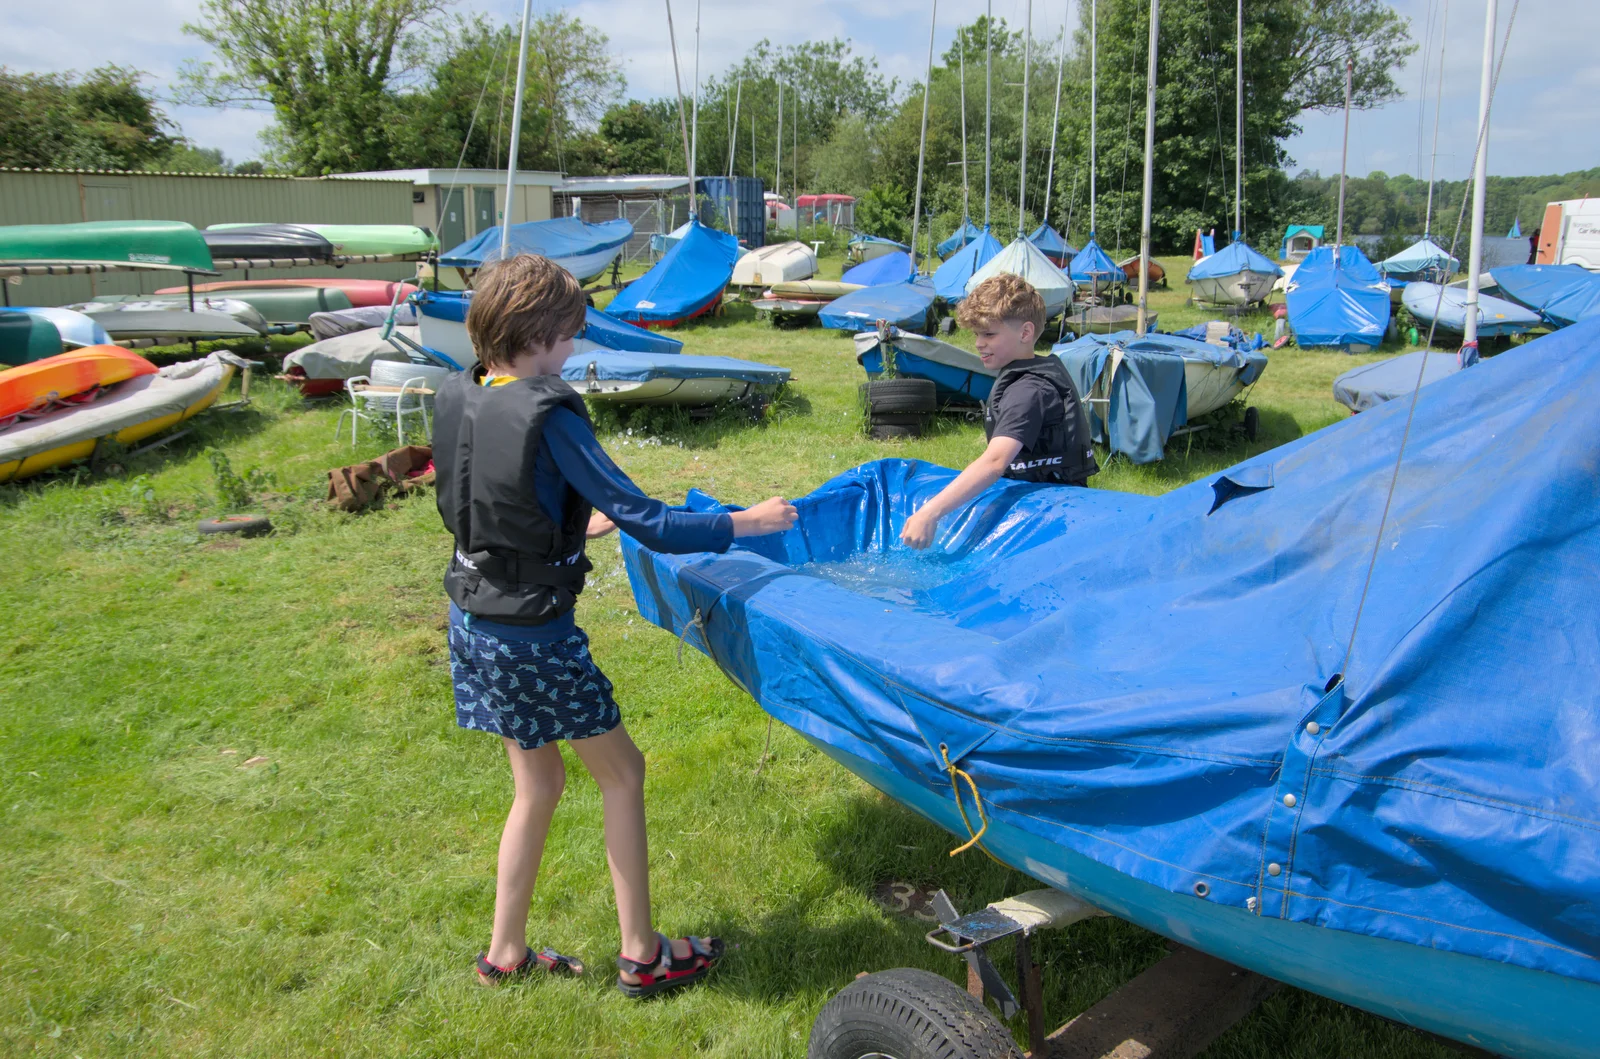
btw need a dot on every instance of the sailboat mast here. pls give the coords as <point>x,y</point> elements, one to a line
<point>694,113</point>
<point>1238,126</point>
<point>777,179</point>
<point>988,103</point>
<point>966,186</point>
<point>733,127</point>
<point>1480,174</point>
<point>1149,167</point>
<point>1344,160</point>
<point>1438,105</point>
<point>516,131</point>
<point>1027,77</point>
<point>1094,100</point>
<point>796,167</point>
<point>922,149</point>
<point>683,124</point>
<point>1055,127</point>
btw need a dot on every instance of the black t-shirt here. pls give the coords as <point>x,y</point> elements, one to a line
<point>1026,406</point>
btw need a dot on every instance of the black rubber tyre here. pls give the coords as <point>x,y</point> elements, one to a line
<point>899,419</point>
<point>900,395</point>
<point>885,431</point>
<point>247,525</point>
<point>1252,422</point>
<point>907,1014</point>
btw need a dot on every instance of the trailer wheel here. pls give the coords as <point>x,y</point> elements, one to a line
<point>244,525</point>
<point>907,1014</point>
<point>1252,422</point>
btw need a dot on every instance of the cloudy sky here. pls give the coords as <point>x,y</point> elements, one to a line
<point>1549,92</point>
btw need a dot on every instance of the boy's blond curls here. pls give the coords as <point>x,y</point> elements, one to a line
<point>521,303</point>
<point>1002,298</point>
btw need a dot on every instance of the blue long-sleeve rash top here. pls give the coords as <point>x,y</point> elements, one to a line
<point>570,455</point>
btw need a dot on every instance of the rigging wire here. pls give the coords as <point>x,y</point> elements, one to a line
<point>455,175</point>
<point>1405,434</point>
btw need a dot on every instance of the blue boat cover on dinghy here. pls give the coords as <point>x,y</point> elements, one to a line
<point>1232,260</point>
<point>1091,264</point>
<point>1149,393</point>
<point>1560,294</point>
<point>1343,303</point>
<point>1145,681</point>
<point>950,279</point>
<point>599,328</point>
<point>1422,260</point>
<point>688,280</point>
<point>1496,316</point>
<point>958,239</point>
<point>889,268</point>
<point>642,367</point>
<point>1052,245</point>
<point>903,304</point>
<point>557,238</point>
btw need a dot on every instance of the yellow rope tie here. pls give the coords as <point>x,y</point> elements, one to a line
<point>977,800</point>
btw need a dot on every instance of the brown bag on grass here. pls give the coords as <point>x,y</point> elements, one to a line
<point>363,485</point>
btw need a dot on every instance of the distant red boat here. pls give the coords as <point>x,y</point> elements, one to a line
<point>361,292</point>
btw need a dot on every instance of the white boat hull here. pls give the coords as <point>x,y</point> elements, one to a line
<point>592,265</point>
<point>780,263</point>
<point>448,337</point>
<point>1209,386</point>
<point>1241,288</point>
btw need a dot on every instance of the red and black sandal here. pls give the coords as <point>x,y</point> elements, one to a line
<point>666,971</point>
<point>546,960</point>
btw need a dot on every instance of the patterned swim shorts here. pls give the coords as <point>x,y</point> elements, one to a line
<point>533,692</point>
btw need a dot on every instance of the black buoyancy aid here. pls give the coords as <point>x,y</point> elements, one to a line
<point>1064,451</point>
<point>513,562</point>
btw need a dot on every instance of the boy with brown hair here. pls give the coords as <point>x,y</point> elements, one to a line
<point>1034,419</point>
<point>522,484</point>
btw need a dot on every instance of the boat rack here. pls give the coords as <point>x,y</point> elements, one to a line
<point>1173,1010</point>
<point>81,268</point>
<point>233,264</point>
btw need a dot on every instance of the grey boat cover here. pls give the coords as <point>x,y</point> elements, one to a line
<point>1372,384</point>
<point>349,355</point>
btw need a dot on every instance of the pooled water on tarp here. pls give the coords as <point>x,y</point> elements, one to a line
<point>896,576</point>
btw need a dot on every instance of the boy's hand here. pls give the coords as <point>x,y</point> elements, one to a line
<point>599,525</point>
<point>773,515</point>
<point>919,529</point>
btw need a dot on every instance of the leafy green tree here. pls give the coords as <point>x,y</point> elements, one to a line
<point>326,67</point>
<point>101,120</point>
<point>885,211</point>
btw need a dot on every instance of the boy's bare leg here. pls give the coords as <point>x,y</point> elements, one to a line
<point>618,767</point>
<point>539,776</point>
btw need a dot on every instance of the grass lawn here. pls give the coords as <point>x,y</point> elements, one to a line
<point>239,820</point>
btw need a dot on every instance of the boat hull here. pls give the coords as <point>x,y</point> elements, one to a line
<point>1107,319</point>
<point>1241,288</point>
<point>952,385</point>
<point>782,263</point>
<point>665,391</point>
<point>1499,1007</point>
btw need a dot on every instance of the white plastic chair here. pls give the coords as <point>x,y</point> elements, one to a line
<point>368,402</point>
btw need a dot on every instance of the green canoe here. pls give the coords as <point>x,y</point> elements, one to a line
<point>25,338</point>
<point>101,245</point>
<point>365,240</point>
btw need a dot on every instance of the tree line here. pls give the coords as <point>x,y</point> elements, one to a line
<point>379,84</point>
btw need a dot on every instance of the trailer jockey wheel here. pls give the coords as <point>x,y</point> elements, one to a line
<point>907,1014</point>
<point>1252,422</point>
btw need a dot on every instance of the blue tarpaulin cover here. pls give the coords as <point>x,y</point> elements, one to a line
<point>1338,304</point>
<point>1091,264</point>
<point>1052,245</point>
<point>1496,316</point>
<point>641,367</point>
<point>1149,392</point>
<point>958,239</point>
<point>1153,683</point>
<point>889,268</point>
<point>1232,260</point>
<point>598,327</point>
<point>903,304</point>
<point>1424,260</point>
<point>1372,384</point>
<point>1560,294</point>
<point>950,279</point>
<point>557,238</point>
<point>688,280</point>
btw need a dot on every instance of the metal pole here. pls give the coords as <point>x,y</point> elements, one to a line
<point>1149,166</point>
<point>988,105</point>
<point>795,137</point>
<point>1238,127</point>
<point>1480,173</point>
<point>1438,105</point>
<point>1094,101</point>
<point>516,131</point>
<point>1344,161</point>
<point>1055,126</point>
<point>922,149</point>
<point>694,114</point>
<point>683,124</point>
<point>733,129</point>
<point>777,152</point>
<point>966,188</point>
<point>1027,76</point>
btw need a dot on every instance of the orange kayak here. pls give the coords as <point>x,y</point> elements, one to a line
<point>361,292</point>
<point>36,384</point>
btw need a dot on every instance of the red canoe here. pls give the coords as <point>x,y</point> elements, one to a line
<point>35,385</point>
<point>361,292</point>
